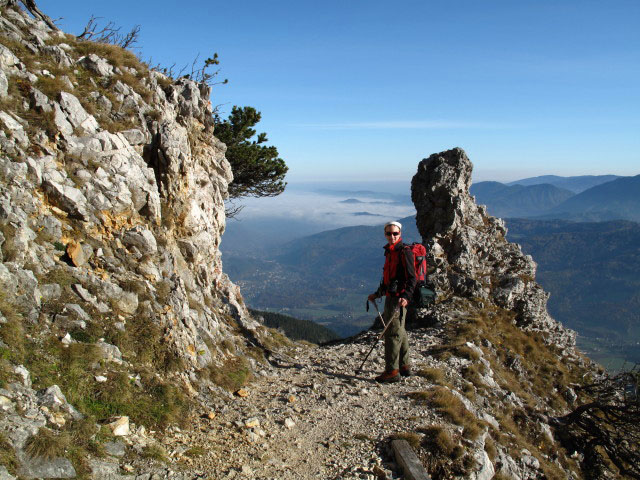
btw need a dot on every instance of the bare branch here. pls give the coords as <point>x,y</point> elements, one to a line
<point>109,33</point>
<point>31,6</point>
<point>231,210</point>
<point>608,427</point>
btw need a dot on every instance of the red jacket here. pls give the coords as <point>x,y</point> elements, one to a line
<point>398,274</point>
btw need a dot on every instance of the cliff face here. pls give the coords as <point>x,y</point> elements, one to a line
<point>469,248</point>
<point>130,193</point>
<point>112,189</point>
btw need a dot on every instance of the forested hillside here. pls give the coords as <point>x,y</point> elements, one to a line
<point>591,271</point>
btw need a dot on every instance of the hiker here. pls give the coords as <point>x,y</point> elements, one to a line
<point>398,283</point>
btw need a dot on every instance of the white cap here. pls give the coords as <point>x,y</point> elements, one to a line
<point>397,224</point>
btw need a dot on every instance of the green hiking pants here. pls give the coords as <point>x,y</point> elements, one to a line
<point>396,343</point>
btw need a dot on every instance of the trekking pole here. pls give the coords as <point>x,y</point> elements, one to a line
<point>377,340</point>
<point>377,310</point>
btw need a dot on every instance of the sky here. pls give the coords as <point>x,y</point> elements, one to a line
<point>362,90</point>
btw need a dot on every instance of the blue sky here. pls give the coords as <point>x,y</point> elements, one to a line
<point>362,90</point>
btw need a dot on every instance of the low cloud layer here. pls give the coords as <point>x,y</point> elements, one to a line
<point>327,210</point>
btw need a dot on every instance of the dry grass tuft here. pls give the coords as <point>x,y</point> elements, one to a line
<point>47,444</point>
<point>434,375</point>
<point>451,407</point>
<point>412,438</point>
<point>438,440</point>
<point>232,375</point>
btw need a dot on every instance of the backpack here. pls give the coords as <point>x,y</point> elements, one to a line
<point>423,296</point>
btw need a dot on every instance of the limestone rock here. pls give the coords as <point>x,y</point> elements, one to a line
<point>120,427</point>
<point>46,468</point>
<point>464,242</point>
<point>142,239</point>
<point>76,254</point>
<point>4,85</point>
<point>96,64</point>
<point>75,113</point>
<point>16,129</point>
<point>7,59</point>
<point>134,136</point>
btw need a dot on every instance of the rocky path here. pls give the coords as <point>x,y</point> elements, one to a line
<point>314,418</point>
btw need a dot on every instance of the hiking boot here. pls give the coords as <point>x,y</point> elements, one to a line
<point>405,370</point>
<point>390,376</point>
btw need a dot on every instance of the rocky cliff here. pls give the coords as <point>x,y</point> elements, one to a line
<point>468,247</point>
<point>112,188</point>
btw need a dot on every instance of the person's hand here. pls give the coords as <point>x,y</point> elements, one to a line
<point>372,297</point>
<point>403,302</point>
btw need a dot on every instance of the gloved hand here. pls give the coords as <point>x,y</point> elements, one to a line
<point>372,297</point>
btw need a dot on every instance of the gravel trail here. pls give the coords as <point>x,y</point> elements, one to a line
<point>314,417</point>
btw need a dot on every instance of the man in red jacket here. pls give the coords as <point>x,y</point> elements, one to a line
<point>398,283</point>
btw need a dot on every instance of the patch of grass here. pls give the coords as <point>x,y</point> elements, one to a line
<point>119,124</point>
<point>163,289</point>
<point>434,375</point>
<point>195,452</point>
<point>12,332</point>
<point>274,339</point>
<point>412,438</point>
<point>155,452</point>
<point>438,440</point>
<point>116,56</point>
<point>473,373</point>
<point>464,351</point>
<point>52,87</point>
<point>7,375</point>
<point>232,375</point>
<point>47,444</point>
<point>59,275</point>
<point>156,404</point>
<point>136,85</point>
<point>8,455</point>
<point>144,340</point>
<point>451,407</point>
<point>420,395</point>
<point>490,448</point>
<point>153,115</point>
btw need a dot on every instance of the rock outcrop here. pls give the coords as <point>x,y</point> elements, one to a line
<point>112,189</point>
<point>473,259</point>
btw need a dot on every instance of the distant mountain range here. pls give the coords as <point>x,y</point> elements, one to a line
<point>617,199</point>
<point>575,184</point>
<point>518,200</point>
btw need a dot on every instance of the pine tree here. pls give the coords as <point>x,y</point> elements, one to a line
<point>257,169</point>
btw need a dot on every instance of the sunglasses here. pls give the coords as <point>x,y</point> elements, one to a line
<point>395,234</point>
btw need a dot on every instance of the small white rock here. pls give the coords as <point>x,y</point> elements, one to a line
<point>5,403</point>
<point>120,427</point>
<point>289,423</point>
<point>100,378</point>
